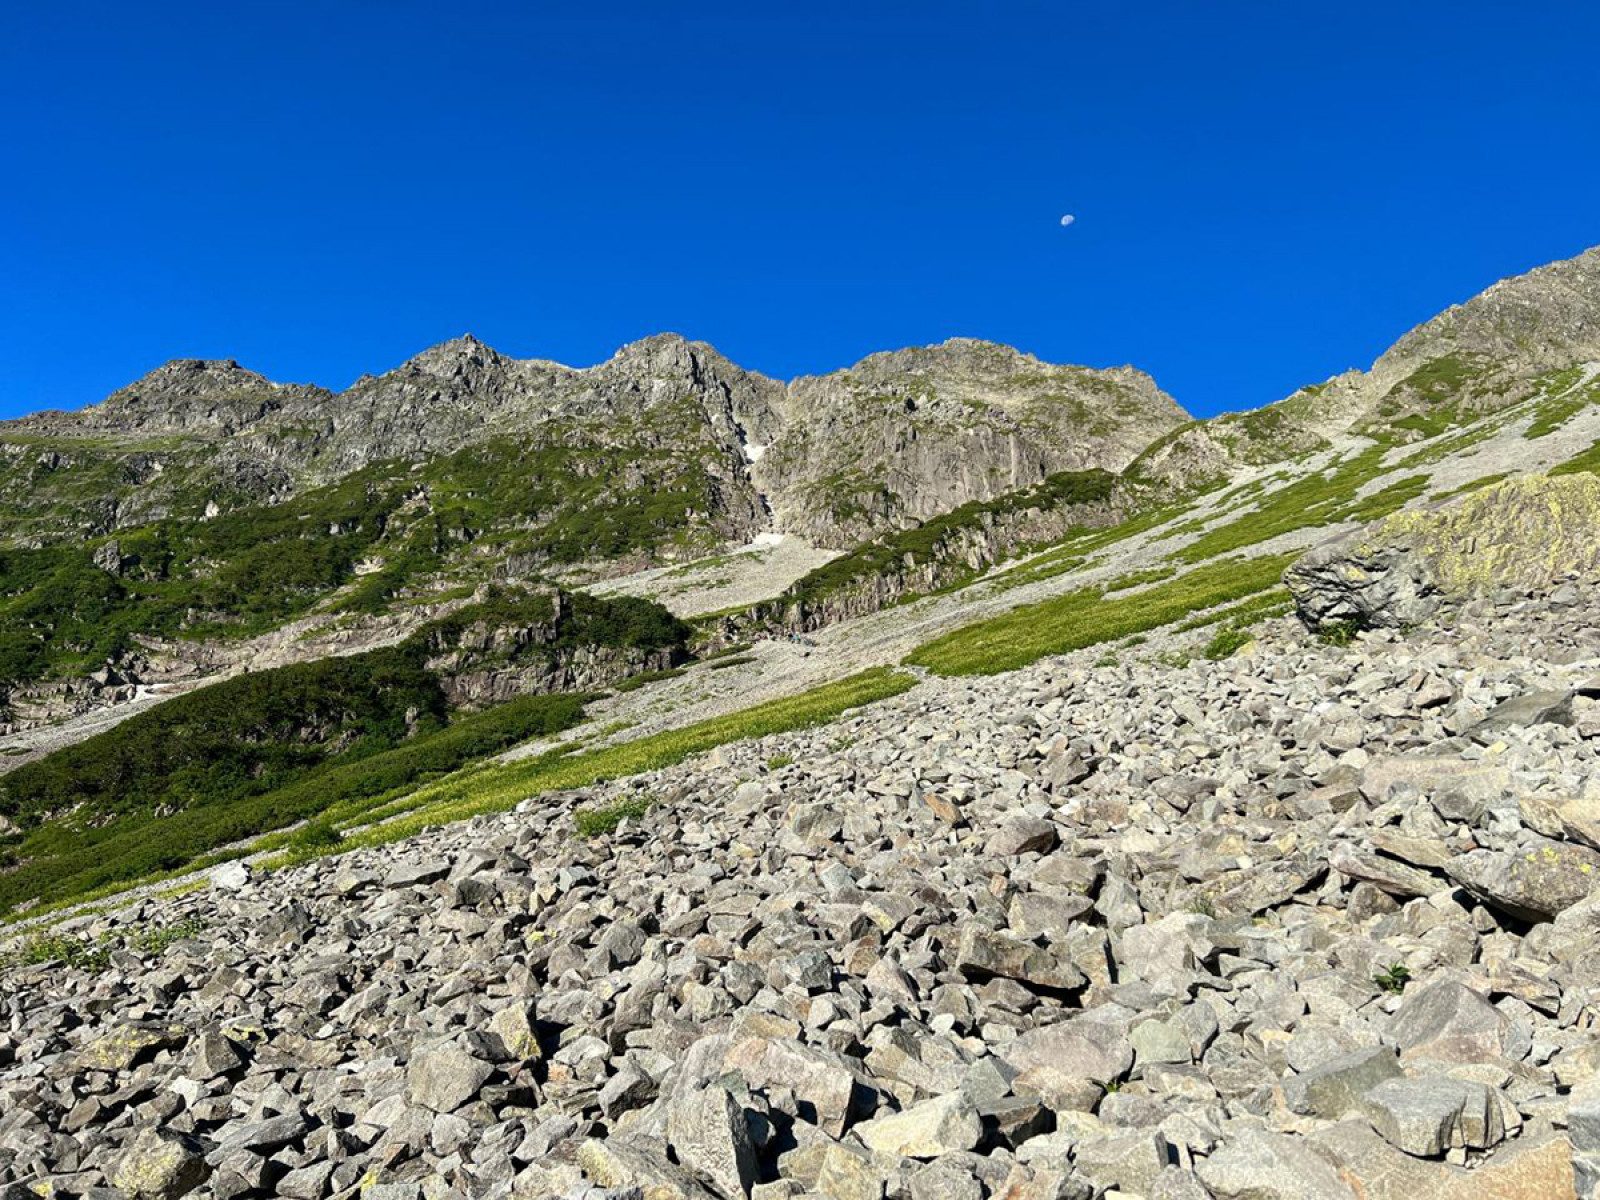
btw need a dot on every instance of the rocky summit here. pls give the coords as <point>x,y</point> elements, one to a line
<point>957,777</point>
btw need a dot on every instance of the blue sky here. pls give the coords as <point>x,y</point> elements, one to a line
<point>1265,193</point>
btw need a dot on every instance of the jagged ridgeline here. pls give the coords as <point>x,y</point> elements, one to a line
<point>258,752</point>
<point>206,505</point>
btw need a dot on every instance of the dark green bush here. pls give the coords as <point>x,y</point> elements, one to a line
<point>931,541</point>
<point>1225,643</point>
<point>240,737</point>
<point>142,844</point>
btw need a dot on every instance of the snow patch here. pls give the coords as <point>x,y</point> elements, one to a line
<point>753,451</point>
<point>768,539</point>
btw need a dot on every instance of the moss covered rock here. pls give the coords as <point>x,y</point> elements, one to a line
<point>1527,532</point>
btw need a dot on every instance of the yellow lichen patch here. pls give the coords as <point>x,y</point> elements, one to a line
<point>1526,531</point>
<point>119,1049</point>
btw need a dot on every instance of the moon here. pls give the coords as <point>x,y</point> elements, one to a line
<point>1067,220</point>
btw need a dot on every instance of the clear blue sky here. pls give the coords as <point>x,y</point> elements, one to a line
<point>1265,193</point>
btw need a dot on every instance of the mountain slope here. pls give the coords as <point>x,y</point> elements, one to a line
<point>1516,341</point>
<point>204,505</point>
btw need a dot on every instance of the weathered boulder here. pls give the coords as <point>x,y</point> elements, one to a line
<point>710,1135</point>
<point>1535,882</point>
<point>927,1130</point>
<point>1449,1021</point>
<point>1332,1088</point>
<point>1427,1116</point>
<point>443,1078</point>
<point>1525,532</point>
<point>161,1165</point>
<point>1257,1165</point>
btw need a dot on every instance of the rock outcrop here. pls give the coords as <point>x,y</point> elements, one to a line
<point>904,436</point>
<point>1524,532</point>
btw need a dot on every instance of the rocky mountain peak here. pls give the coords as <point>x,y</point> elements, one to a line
<point>201,395</point>
<point>672,356</point>
<point>457,358</point>
<point>1551,312</point>
<point>189,377</point>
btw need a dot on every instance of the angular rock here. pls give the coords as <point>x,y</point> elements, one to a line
<point>1025,835</point>
<point>160,1165</point>
<point>709,1133</point>
<point>1448,1020</point>
<point>1533,883</point>
<point>1333,1088</point>
<point>935,1127</point>
<point>983,953</point>
<point>1427,1116</point>
<point>642,1164</point>
<point>1255,1165</point>
<point>1077,1049</point>
<point>443,1078</point>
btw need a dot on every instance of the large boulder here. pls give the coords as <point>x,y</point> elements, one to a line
<point>1525,532</point>
<point>1535,882</point>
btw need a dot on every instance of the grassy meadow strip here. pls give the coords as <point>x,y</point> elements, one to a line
<point>154,849</point>
<point>497,789</point>
<point>1089,616</point>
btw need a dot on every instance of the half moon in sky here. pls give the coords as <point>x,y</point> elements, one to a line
<point>1068,220</point>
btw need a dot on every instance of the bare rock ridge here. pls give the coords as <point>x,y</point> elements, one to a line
<point>1503,346</point>
<point>903,436</point>
<point>898,438</point>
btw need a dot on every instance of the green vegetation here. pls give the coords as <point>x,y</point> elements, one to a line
<point>259,734</point>
<point>594,822</point>
<point>1472,485</point>
<point>939,541</point>
<point>56,862</point>
<point>1439,378</point>
<point>779,761</point>
<point>84,955</point>
<point>1134,579</point>
<point>1274,602</point>
<point>498,788</point>
<point>635,682</point>
<point>163,937</point>
<point>315,835</point>
<point>264,564</point>
<point>1074,552</point>
<point>1561,400</point>
<point>1087,617</point>
<point>1429,401</point>
<point>1586,461</point>
<point>1227,642</point>
<point>1258,437</point>
<point>1321,498</point>
<point>240,737</point>
<point>574,621</point>
<point>1393,978</point>
<point>1339,633</point>
<point>77,953</point>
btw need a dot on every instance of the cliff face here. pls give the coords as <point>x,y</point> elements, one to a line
<point>898,438</point>
<point>903,436</point>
